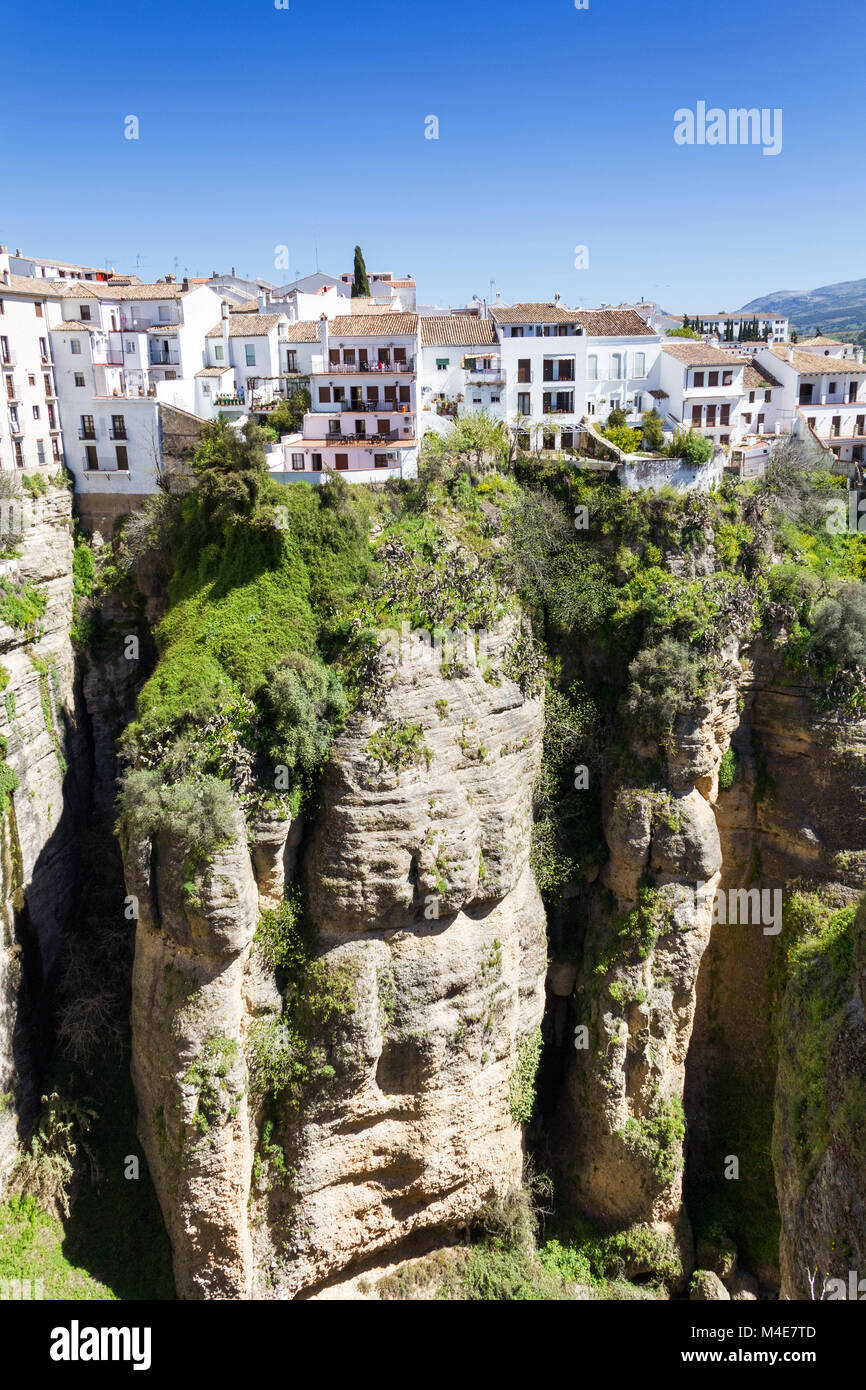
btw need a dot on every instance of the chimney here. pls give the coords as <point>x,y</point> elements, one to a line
<point>556,298</point>
<point>233,270</point>
<point>5,277</point>
<point>858,355</point>
<point>790,354</point>
<point>323,336</point>
<point>224,324</point>
<point>185,284</point>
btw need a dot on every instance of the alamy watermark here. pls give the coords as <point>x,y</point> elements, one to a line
<point>735,126</point>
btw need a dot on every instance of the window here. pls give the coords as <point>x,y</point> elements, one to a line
<point>164,313</point>
<point>747,419</point>
<point>640,364</point>
<point>360,429</point>
<point>836,427</point>
<point>250,354</point>
<point>751,397</point>
<point>832,388</point>
<point>13,419</point>
<point>52,418</point>
<point>349,356</point>
<point>341,460</point>
<point>524,369</point>
<point>122,458</point>
<point>592,367</point>
<point>405,394</point>
<point>91,463</point>
<point>219,354</point>
<point>31,379</point>
<point>4,350</point>
<point>324,395</point>
<point>339,394</point>
<point>442,363</point>
<point>10,387</point>
<point>49,389</point>
<point>88,428</point>
<point>761,419</point>
<point>334,357</point>
<point>724,438</point>
<point>380,460</point>
<point>118,427</point>
<point>638,403</point>
<point>38,307</point>
<point>19,454</point>
<point>616,365</point>
<point>75,347</point>
<point>40,451</point>
<point>713,379</point>
<point>768,396</point>
<point>36,412</point>
<point>79,378</point>
<point>517,332</point>
<point>696,414</point>
<point>129,346</point>
<point>43,350</point>
<point>383,426</point>
<point>316,461</point>
<point>400,354</point>
<point>697,378</point>
<point>84,313</point>
<point>298,463</point>
<point>711,417</point>
<point>524,403</point>
<point>390,393</point>
<point>567,439</point>
<point>727,378</point>
<point>55,448</point>
<point>494,400</point>
<point>725,415</point>
<point>334,427</point>
<point>860,427</point>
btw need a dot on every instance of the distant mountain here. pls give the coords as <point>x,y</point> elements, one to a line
<point>832,308</point>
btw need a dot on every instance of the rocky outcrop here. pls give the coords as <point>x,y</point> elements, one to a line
<point>417,875</point>
<point>45,760</point>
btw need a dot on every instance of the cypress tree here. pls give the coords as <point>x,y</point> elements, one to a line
<point>361,285</point>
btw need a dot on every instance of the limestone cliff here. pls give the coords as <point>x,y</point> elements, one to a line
<point>43,759</point>
<point>416,872</point>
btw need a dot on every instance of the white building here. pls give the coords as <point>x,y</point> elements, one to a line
<point>703,389</point>
<point>771,327</point>
<point>824,398</point>
<point>121,352</point>
<point>363,383</point>
<point>30,419</point>
<point>460,369</point>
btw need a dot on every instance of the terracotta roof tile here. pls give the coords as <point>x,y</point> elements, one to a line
<point>458,330</point>
<point>247,326</point>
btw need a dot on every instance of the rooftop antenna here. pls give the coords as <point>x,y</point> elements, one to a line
<point>317,260</point>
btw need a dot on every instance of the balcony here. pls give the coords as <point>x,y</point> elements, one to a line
<point>15,427</point>
<point>364,368</point>
<point>8,357</point>
<point>11,390</point>
<point>160,358</point>
<point>89,435</point>
<point>132,323</point>
<point>483,376</point>
<point>340,441</point>
<point>375,407</point>
<point>120,435</point>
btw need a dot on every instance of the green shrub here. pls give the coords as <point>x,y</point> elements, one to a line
<point>399,745</point>
<point>302,702</point>
<point>691,447</point>
<point>521,1088</point>
<point>663,682</point>
<point>199,811</point>
<point>727,770</point>
<point>628,440</point>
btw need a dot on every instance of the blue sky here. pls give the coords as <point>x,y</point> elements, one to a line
<point>305,127</point>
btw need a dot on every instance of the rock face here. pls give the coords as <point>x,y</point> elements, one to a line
<point>649,927</point>
<point>419,886</point>
<point>818,1156</point>
<point>40,725</point>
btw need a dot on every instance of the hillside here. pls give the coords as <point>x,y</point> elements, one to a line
<point>833,308</point>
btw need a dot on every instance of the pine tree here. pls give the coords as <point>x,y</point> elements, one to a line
<point>360,285</point>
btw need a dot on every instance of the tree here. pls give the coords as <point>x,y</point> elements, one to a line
<point>653,432</point>
<point>230,468</point>
<point>360,283</point>
<point>689,446</point>
<point>289,414</point>
<point>475,438</point>
<point>617,418</point>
